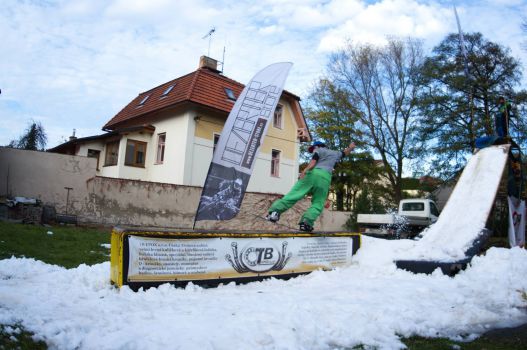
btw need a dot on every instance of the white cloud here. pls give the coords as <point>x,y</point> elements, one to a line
<point>388,18</point>
<point>271,30</point>
<point>78,62</point>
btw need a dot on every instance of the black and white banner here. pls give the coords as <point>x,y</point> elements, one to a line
<point>239,143</point>
<point>172,259</point>
<point>516,222</point>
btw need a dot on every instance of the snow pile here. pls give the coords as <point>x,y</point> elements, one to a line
<point>370,302</point>
<point>466,211</point>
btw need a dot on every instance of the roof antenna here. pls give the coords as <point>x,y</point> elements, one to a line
<point>223,61</point>
<point>209,34</point>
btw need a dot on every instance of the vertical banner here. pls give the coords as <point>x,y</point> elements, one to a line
<point>516,222</point>
<point>239,143</point>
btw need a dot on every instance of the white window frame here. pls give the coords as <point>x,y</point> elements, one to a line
<point>111,158</point>
<point>275,163</point>
<point>94,153</point>
<point>215,140</point>
<point>135,160</point>
<point>278,118</point>
<point>161,148</point>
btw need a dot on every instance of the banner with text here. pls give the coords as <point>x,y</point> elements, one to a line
<point>170,259</point>
<point>233,160</point>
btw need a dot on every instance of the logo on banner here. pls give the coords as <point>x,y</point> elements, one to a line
<point>258,256</point>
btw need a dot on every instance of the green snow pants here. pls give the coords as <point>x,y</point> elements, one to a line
<point>316,182</point>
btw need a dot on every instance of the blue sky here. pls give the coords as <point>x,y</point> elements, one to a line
<point>73,64</point>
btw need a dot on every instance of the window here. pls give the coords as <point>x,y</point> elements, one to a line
<point>143,101</point>
<point>167,91</point>
<point>112,153</point>
<point>160,148</point>
<point>275,163</point>
<point>230,94</point>
<point>216,139</point>
<point>92,153</point>
<point>277,118</point>
<point>413,206</point>
<point>135,153</point>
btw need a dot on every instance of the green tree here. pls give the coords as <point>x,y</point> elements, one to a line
<point>332,119</point>
<point>381,83</point>
<point>457,108</point>
<point>368,201</point>
<point>34,138</point>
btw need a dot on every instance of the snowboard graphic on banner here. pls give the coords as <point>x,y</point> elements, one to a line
<point>239,143</point>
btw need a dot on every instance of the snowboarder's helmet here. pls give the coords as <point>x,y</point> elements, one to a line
<point>315,144</point>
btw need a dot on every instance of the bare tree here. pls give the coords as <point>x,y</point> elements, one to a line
<point>382,83</point>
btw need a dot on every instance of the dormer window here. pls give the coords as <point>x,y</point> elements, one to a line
<point>143,101</point>
<point>230,94</point>
<point>168,89</point>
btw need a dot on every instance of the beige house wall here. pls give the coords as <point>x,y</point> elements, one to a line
<point>283,139</point>
<point>189,148</point>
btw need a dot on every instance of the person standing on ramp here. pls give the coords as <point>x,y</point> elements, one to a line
<point>314,180</point>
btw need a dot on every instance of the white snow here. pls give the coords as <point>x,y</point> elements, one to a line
<point>466,212</point>
<point>370,302</point>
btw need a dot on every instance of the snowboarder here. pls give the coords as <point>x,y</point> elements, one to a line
<point>314,180</point>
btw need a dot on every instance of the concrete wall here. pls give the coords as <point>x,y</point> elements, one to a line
<point>140,203</point>
<point>112,201</point>
<point>44,176</point>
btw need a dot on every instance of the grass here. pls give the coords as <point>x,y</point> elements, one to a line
<point>71,246</point>
<point>67,246</point>
<point>514,341</point>
<point>14,337</point>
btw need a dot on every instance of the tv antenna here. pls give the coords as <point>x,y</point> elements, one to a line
<point>209,34</point>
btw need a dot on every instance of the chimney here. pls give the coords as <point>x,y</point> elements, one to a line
<point>207,62</point>
<point>73,137</point>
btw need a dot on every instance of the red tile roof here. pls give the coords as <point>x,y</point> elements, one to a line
<point>203,86</point>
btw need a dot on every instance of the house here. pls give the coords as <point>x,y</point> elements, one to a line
<point>168,134</point>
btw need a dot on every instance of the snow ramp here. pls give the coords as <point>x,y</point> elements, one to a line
<point>460,230</point>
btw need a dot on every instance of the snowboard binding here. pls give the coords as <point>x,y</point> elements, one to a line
<point>304,226</point>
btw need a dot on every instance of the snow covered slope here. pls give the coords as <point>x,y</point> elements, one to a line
<point>467,210</point>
